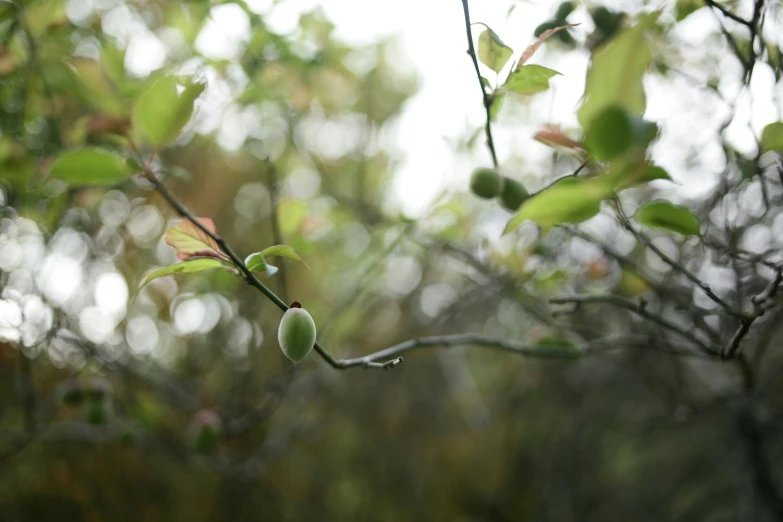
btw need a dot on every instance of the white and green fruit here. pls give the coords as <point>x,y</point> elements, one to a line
<point>296,333</point>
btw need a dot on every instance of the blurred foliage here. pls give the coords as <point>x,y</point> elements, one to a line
<point>174,402</point>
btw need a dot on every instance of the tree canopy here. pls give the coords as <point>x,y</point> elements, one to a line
<point>584,325</point>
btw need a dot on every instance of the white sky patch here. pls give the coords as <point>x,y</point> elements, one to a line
<point>226,30</point>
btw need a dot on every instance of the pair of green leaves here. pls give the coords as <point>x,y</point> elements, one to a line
<point>159,115</point>
<point>199,251</point>
<point>574,200</point>
<point>523,79</point>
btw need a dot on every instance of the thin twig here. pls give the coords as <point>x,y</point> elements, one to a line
<point>639,309</point>
<point>274,191</point>
<point>541,351</point>
<point>725,12</point>
<point>761,304</point>
<point>485,96</point>
<point>674,264</point>
<point>661,290</point>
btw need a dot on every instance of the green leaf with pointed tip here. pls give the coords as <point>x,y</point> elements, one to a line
<point>772,137</point>
<point>530,79</point>
<point>667,216</point>
<point>616,71</point>
<point>282,251</point>
<point>186,267</point>
<point>569,200</point>
<point>257,263</point>
<point>609,134</point>
<point>91,167</point>
<point>162,110</point>
<point>492,51</point>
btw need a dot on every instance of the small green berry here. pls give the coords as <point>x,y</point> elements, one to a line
<point>486,183</point>
<point>296,333</point>
<point>513,194</point>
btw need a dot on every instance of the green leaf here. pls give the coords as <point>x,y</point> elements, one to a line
<point>569,200</point>
<point>492,51</point>
<point>497,102</point>
<point>615,73</point>
<point>257,263</point>
<point>686,7</point>
<point>530,79</point>
<point>91,167</point>
<point>94,88</point>
<point>772,137</point>
<point>282,251</point>
<point>162,110</point>
<point>667,216</point>
<point>186,267</point>
<point>609,134</point>
<point>632,172</point>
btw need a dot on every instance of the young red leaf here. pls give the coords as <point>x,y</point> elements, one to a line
<point>531,50</point>
<point>190,241</point>
<point>554,137</point>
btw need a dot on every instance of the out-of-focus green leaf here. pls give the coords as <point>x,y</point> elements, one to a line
<point>186,267</point>
<point>162,110</point>
<point>492,51</point>
<point>530,79</point>
<point>615,74</point>
<point>497,103</point>
<point>282,251</point>
<point>667,216</point>
<point>772,137</point>
<point>291,213</point>
<point>569,200</point>
<point>94,87</point>
<point>609,134</point>
<point>686,7</point>
<point>91,167</point>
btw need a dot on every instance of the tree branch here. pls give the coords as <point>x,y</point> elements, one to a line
<point>484,95</point>
<point>526,350</point>
<point>639,309</point>
<point>725,12</point>
<point>761,303</point>
<point>674,264</point>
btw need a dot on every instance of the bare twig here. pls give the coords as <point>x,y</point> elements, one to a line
<point>547,352</point>
<point>725,12</point>
<point>674,264</point>
<point>761,304</point>
<point>641,310</point>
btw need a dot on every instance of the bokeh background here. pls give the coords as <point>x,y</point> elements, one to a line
<point>348,130</point>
